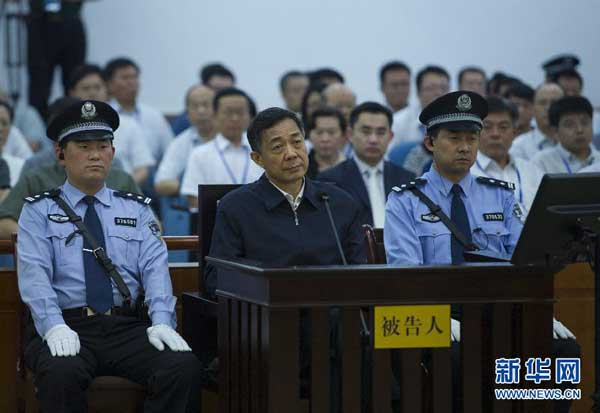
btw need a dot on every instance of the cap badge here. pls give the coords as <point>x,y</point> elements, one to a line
<point>463,103</point>
<point>88,111</point>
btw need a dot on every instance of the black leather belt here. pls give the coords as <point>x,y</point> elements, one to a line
<point>82,312</point>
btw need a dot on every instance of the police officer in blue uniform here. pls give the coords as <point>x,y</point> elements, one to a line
<point>84,325</point>
<point>475,213</point>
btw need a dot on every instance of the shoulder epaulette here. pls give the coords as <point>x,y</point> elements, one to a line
<point>496,182</point>
<point>142,199</point>
<point>410,185</point>
<point>46,194</point>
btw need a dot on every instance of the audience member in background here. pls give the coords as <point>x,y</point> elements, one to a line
<point>563,71</point>
<point>522,95</point>
<point>213,75</point>
<point>394,78</point>
<point>312,100</point>
<point>16,144</point>
<point>340,97</point>
<point>28,121</point>
<point>122,79</point>
<point>14,164</point>
<point>225,159</point>
<point>327,134</point>
<point>473,79</point>
<point>4,180</point>
<point>293,85</point>
<point>199,105</point>
<point>493,159</point>
<point>526,146</point>
<point>571,116</point>
<point>500,83</point>
<point>367,176</point>
<point>325,75</point>
<point>432,82</point>
<point>132,153</point>
<point>36,180</point>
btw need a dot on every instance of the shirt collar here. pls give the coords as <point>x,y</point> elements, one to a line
<point>117,106</point>
<point>74,195</point>
<point>223,143</point>
<point>444,185</point>
<point>273,196</point>
<point>364,168</point>
<point>569,157</point>
<point>484,162</point>
<point>294,202</point>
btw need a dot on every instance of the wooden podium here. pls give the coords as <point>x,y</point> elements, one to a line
<point>259,328</point>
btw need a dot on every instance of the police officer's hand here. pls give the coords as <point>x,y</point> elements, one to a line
<point>62,341</point>
<point>455,330</point>
<point>162,334</point>
<point>560,331</point>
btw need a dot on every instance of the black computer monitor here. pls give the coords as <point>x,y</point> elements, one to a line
<point>564,205</point>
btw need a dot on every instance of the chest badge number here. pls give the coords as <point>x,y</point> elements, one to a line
<point>128,222</point>
<point>430,218</point>
<point>61,219</point>
<point>494,216</point>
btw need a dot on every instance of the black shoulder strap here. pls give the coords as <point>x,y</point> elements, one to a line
<point>436,210</point>
<point>98,251</point>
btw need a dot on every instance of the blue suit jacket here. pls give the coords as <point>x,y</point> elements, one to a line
<point>347,176</point>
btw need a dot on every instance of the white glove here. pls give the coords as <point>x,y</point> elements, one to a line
<point>162,334</point>
<point>62,341</point>
<point>455,330</point>
<point>560,331</point>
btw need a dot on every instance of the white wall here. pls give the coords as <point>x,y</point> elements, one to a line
<point>260,39</point>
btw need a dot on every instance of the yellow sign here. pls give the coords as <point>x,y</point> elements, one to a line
<point>412,326</point>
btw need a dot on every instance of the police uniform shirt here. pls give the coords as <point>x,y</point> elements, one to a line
<point>219,162</point>
<point>406,125</point>
<point>156,129</point>
<point>528,144</point>
<point>131,149</point>
<point>523,174</point>
<point>415,236</point>
<point>51,272</point>
<point>559,160</point>
<point>256,222</point>
<point>176,157</point>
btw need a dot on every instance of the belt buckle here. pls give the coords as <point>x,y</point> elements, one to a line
<point>89,312</point>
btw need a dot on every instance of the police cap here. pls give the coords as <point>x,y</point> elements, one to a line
<point>84,120</point>
<point>557,65</point>
<point>461,110</point>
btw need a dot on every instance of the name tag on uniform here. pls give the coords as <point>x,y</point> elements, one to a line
<point>128,222</point>
<point>61,219</point>
<point>495,216</point>
<point>430,218</point>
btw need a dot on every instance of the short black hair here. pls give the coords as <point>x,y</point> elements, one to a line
<point>82,71</point>
<point>9,109</point>
<point>498,80</point>
<point>500,105</point>
<point>215,69</point>
<point>267,119</point>
<point>438,70</point>
<point>569,104</point>
<point>318,74</point>
<point>521,90</point>
<point>371,107</point>
<point>468,69</point>
<point>287,75</point>
<point>393,65</point>
<point>230,91</point>
<point>118,63</point>
<point>314,87</point>
<point>326,112</point>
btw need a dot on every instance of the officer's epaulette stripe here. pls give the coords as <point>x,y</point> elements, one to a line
<point>410,185</point>
<point>496,182</point>
<point>142,199</point>
<point>46,194</point>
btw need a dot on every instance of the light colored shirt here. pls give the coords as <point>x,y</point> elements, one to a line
<point>528,144</point>
<point>406,126</point>
<point>16,144</point>
<point>595,167</point>
<point>373,179</point>
<point>525,175</point>
<point>156,129</point>
<point>30,123</point>
<point>50,270</point>
<point>131,149</point>
<point>558,160</point>
<point>15,165</point>
<point>414,236</point>
<point>294,202</point>
<point>219,162</point>
<point>176,157</point>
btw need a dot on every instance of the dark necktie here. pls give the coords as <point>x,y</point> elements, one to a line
<point>98,288</point>
<point>458,215</point>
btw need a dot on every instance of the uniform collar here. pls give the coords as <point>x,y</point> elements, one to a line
<point>273,196</point>
<point>223,143</point>
<point>364,168</point>
<point>444,185</point>
<point>74,195</point>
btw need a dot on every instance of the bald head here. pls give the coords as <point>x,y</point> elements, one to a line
<point>341,97</point>
<point>199,105</point>
<point>545,95</point>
